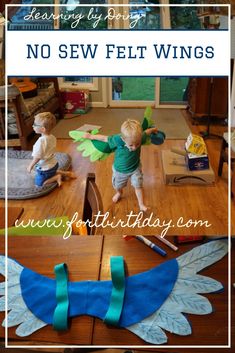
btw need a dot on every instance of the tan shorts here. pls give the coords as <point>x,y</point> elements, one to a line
<point>119,180</point>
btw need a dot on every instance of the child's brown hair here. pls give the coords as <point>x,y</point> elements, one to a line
<point>47,120</point>
<point>131,129</point>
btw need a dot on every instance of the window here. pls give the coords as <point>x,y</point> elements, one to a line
<point>173,90</point>
<point>184,17</point>
<point>97,13</point>
<point>18,21</point>
<point>149,15</point>
<point>90,83</point>
<point>99,22</point>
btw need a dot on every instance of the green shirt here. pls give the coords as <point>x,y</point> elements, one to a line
<point>125,161</point>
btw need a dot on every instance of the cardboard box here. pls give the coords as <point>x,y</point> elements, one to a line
<point>75,102</point>
<point>195,144</point>
<point>176,172</point>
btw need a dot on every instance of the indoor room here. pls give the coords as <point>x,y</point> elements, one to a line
<point>115,189</point>
<point>182,108</point>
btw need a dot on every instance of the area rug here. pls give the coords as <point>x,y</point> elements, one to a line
<point>20,182</point>
<point>171,121</point>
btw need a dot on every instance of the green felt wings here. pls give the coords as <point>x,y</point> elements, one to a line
<point>98,150</point>
<point>147,121</point>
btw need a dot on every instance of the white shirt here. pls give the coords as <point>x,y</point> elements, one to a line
<point>45,149</point>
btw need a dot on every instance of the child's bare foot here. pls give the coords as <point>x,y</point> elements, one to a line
<point>143,208</point>
<point>66,174</point>
<point>72,175</point>
<point>117,197</point>
<point>59,179</point>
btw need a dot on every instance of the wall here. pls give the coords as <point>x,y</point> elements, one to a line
<point>96,96</point>
<point>233,38</point>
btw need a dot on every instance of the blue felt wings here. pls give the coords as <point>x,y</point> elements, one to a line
<point>169,290</point>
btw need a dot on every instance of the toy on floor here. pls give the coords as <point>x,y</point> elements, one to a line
<point>195,153</point>
<point>182,239</point>
<point>146,304</point>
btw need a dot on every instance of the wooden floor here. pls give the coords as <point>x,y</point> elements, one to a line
<point>168,204</point>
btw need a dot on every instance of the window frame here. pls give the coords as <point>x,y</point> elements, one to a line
<point>92,86</point>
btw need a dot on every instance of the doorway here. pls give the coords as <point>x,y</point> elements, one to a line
<point>157,92</point>
<point>131,91</point>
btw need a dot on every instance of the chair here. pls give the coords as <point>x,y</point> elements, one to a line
<point>92,203</point>
<point>24,110</point>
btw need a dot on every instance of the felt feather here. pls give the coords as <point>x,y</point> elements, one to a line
<point>165,319</point>
<point>19,313</point>
<point>154,301</point>
<point>12,298</point>
<point>13,267</point>
<point>173,322</point>
<point>149,333</point>
<point>197,283</point>
<point>189,303</point>
<point>29,326</point>
<point>96,150</point>
<point>203,256</point>
<point>183,298</point>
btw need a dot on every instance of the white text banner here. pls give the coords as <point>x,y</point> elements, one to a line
<point>118,53</point>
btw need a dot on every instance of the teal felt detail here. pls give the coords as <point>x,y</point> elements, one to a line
<point>158,138</point>
<point>113,314</point>
<point>102,146</point>
<point>60,317</point>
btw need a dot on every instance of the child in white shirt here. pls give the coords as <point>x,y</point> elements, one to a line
<point>44,152</point>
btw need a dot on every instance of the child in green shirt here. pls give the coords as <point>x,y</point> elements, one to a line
<point>127,165</point>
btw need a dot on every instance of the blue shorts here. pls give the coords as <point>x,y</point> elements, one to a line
<point>43,175</point>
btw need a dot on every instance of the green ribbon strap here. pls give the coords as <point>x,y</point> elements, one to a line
<point>60,317</point>
<point>113,314</point>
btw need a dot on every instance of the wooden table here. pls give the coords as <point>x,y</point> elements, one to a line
<point>207,330</point>
<point>41,254</point>
<point>14,213</point>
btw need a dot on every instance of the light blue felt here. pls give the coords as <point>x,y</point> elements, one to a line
<point>145,293</point>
